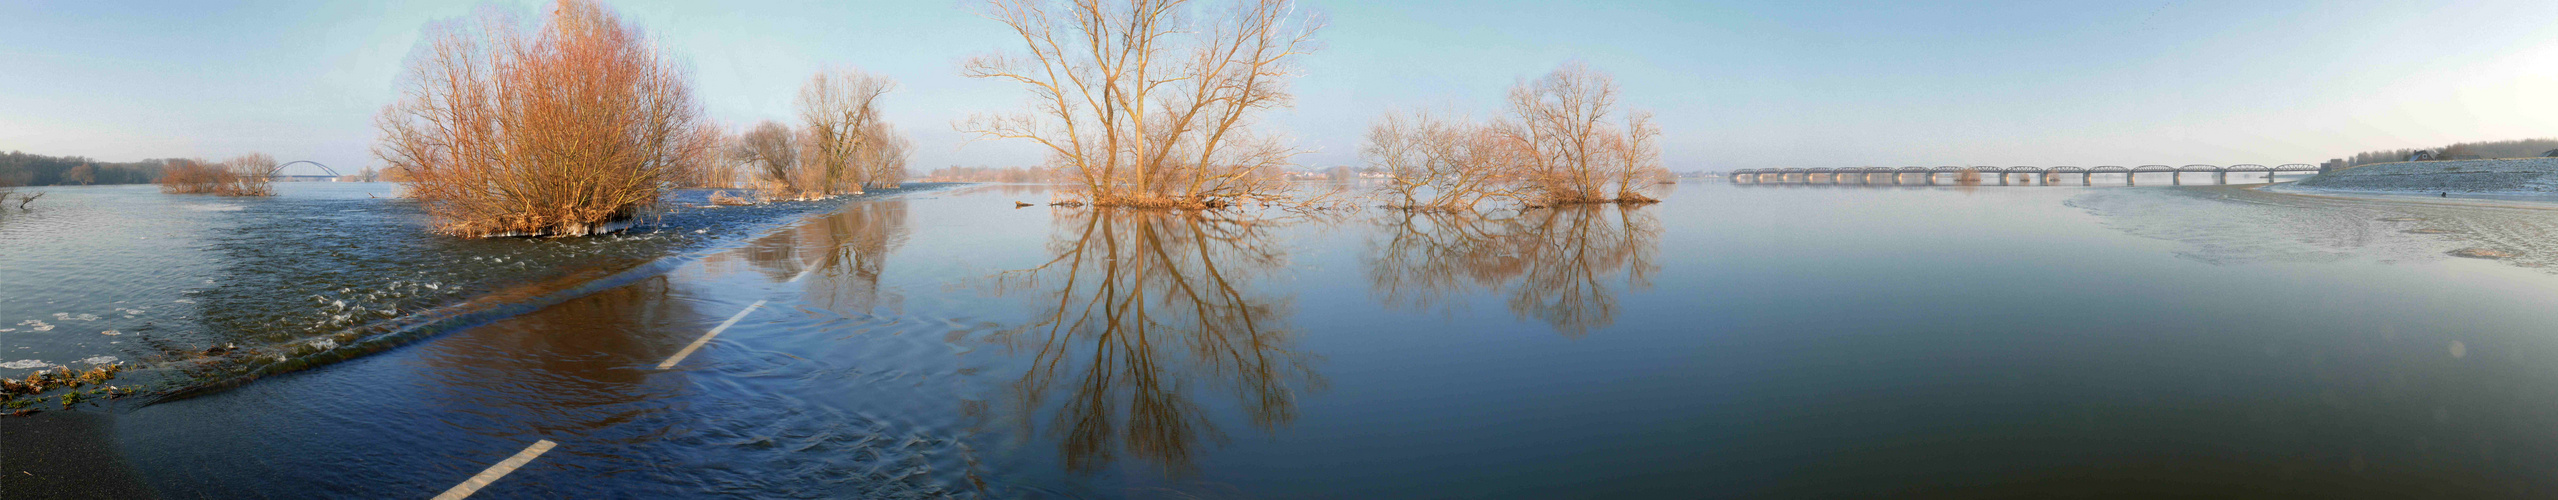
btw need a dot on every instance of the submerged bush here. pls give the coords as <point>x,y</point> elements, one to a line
<point>561,131</point>
<point>1566,142</point>
<point>246,175</point>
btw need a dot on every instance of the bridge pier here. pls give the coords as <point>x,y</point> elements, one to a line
<point>2220,177</point>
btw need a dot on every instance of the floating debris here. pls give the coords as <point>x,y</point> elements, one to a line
<point>71,317</point>
<point>36,325</point>
<point>110,333</point>
<point>99,360</point>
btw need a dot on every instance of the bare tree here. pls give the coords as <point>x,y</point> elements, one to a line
<point>1148,103</point>
<point>839,112</point>
<point>247,175</point>
<point>1561,145</point>
<point>84,174</point>
<point>771,150</point>
<point>1565,117</point>
<point>1432,163</point>
<point>558,131</point>
<point>884,161</point>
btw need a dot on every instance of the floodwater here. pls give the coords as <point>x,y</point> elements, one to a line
<point>1733,341</point>
<point>109,274</point>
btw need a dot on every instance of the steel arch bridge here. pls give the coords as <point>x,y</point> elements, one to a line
<point>279,169</point>
<point>2030,174</point>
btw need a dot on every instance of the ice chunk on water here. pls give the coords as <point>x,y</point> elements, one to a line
<point>25,364</point>
<point>99,360</point>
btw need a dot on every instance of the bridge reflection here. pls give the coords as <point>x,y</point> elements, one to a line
<point>2003,176</point>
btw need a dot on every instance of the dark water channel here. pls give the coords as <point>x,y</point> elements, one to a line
<point>1733,341</point>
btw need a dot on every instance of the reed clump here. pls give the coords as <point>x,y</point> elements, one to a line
<point>563,130</point>
<point>1566,141</point>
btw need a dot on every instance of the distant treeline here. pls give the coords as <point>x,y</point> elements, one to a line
<point>955,173</point>
<point>22,169</point>
<point>2524,148</point>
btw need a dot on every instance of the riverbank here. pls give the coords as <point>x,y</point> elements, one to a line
<point>2522,178</point>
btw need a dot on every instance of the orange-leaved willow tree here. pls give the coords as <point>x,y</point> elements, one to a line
<point>565,130</point>
<point>1148,103</point>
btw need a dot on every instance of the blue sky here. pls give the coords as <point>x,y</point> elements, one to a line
<point>1737,85</point>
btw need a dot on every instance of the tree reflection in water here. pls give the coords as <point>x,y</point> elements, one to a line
<point>1139,309</point>
<point>1561,266</point>
<point>842,254</point>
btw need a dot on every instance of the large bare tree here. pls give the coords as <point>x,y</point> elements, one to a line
<point>839,118</point>
<point>772,151</point>
<point>1149,102</point>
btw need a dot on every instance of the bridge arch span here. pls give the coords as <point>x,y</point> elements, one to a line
<point>279,169</point>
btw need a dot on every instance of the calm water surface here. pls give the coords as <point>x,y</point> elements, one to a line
<point>1731,342</point>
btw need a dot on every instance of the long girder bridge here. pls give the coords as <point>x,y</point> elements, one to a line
<point>2002,175</point>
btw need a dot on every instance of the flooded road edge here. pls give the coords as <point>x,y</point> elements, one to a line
<point>476,311</point>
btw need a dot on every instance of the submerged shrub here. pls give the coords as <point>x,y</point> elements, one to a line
<point>1566,142</point>
<point>561,131</point>
<point>242,176</point>
<point>188,176</point>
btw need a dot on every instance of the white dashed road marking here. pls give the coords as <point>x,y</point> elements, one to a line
<point>706,337</point>
<point>494,472</point>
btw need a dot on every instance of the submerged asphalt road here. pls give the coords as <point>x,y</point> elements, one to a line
<point>599,396</point>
